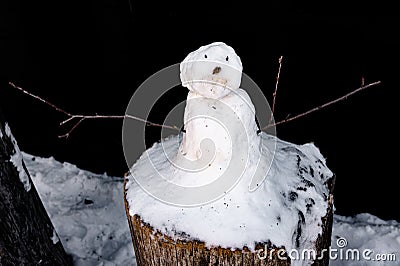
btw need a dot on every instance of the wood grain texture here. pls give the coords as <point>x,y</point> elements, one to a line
<point>25,227</point>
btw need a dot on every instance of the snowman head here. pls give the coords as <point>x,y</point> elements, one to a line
<point>212,71</point>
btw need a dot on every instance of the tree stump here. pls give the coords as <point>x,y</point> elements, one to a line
<point>27,236</point>
<point>154,248</point>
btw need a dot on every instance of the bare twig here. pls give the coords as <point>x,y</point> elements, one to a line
<point>363,87</point>
<point>40,99</point>
<point>276,88</point>
<point>72,129</point>
<point>81,118</point>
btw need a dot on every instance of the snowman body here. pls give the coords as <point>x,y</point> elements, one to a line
<point>218,113</point>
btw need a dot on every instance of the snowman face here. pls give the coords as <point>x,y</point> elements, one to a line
<point>212,71</point>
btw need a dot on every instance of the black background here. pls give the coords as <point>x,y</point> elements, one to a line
<point>88,57</point>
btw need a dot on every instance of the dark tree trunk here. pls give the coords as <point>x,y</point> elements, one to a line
<point>26,232</point>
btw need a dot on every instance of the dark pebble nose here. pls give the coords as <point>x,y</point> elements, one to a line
<point>216,70</point>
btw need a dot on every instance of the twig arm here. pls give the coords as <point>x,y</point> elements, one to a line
<point>81,118</point>
<point>276,86</point>
<point>323,105</point>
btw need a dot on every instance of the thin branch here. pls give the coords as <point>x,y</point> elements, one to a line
<point>276,88</point>
<point>67,120</point>
<point>72,129</point>
<point>81,118</point>
<point>363,87</point>
<point>40,99</point>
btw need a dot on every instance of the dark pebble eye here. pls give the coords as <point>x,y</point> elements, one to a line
<point>227,58</point>
<point>205,56</point>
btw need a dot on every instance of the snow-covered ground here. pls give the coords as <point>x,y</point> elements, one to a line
<point>376,241</point>
<point>86,209</point>
<point>88,213</point>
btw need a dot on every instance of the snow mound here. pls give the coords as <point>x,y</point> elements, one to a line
<point>86,209</point>
<point>379,239</point>
<point>286,209</point>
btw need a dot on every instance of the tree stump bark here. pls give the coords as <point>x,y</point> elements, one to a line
<point>154,248</point>
<point>27,236</point>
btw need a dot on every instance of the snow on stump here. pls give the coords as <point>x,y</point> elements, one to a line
<point>223,193</point>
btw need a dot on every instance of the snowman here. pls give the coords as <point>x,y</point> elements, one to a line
<point>219,116</point>
<point>219,181</point>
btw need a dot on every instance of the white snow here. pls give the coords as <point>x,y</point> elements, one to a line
<point>86,209</point>
<point>379,239</point>
<point>63,187</point>
<point>16,159</point>
<point>212,71</point>
<point>294,187</point>
<point>221,144</point>
<point>226,122</point>
<point>55,238</point>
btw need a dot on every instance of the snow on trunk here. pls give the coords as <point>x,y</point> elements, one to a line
<point>16,159</point>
